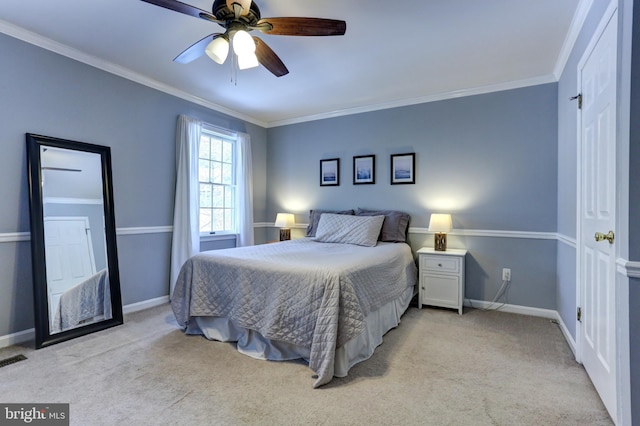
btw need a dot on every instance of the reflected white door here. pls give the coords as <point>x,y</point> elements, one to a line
<point>597,267</point>
<point>69,255</point>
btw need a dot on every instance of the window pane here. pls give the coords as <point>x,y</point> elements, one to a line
<point>228,220</point>
<point>227,152</point>
<point>206,195</point>
<point>205,221</point>
<point>218,196</point>
<point>205,146</point>
<point>216,149</point>
<point>203,170</point>
<point>228,197</point>
<point>227,174</point>
<point>216,172</point>
<point>218,219</point>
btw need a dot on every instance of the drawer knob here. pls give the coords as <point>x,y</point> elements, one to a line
<point>440,265</point>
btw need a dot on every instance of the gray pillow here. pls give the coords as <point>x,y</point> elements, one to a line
<point>348,229</point>
<point>314,217</point>
<point>394,227</point>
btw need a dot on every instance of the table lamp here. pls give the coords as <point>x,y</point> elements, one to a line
<point>440,224</point>
<point>285,221</point>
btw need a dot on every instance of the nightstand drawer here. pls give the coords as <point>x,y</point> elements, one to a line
<point>440,263</point>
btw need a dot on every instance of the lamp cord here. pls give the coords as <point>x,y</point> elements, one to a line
<point>502,291</point>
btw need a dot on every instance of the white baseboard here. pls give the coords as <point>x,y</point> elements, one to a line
<point>30,334</point>
<point>146,304</point>
<point>567,335</point>
<point>17,338</point>
<point>26,335</point>
<point>526,310</point>
<point>513,309</point>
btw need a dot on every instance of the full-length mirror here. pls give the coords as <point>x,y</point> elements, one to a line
<point>73,241</point>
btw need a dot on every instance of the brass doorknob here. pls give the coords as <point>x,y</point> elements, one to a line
<point>608,236</point>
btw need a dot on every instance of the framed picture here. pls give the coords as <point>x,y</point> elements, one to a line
<point>330,172</point>
<point>403,168</point>
<point>364,169</point>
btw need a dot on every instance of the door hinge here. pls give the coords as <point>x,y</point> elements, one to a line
<point>579,314</point>
<point>579,98</point>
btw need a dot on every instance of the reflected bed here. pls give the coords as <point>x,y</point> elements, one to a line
<point>85,302</point>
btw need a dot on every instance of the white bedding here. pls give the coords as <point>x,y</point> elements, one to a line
<point>313,296</point>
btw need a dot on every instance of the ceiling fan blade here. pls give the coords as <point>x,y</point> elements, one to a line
<point>196,50</point>
<point>244,4</point>
<point>302,26</point>
<point>187,9</point>
<point>269,59</point>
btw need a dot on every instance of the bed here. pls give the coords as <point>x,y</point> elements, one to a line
<point>328,298</point>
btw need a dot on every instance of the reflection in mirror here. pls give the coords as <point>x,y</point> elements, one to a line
<point>76,285</point>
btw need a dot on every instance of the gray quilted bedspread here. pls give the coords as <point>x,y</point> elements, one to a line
<point>83,302</point>
<point>303,292</point>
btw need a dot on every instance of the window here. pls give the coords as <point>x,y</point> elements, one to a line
<point>216,177</point>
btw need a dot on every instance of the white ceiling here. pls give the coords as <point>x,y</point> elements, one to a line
<point>68,173</point>
<point>393,53</point>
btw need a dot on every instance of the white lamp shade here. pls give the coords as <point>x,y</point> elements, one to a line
<point>440,222</point>
<point>248,60</point>
<point>243,43</point>
<point>218,49</point>
<point>285,220</point>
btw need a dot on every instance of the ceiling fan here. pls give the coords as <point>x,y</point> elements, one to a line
<point>239,17</point>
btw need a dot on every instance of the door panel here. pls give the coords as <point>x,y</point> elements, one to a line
<point>597,346</point>
<point>69,256</point>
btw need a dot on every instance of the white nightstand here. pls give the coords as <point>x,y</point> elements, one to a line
<point>441,278</point>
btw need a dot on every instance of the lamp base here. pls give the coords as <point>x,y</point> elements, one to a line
<point>440,241</point>
<point>285,234</point>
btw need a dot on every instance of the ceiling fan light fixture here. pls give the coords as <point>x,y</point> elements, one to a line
<point>248,60</point>
<point>243,43</point>
<point>218,49</point>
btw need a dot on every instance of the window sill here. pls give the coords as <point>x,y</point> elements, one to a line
<point>218,237</point>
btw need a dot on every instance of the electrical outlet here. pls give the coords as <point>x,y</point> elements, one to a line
<point>506,274</point>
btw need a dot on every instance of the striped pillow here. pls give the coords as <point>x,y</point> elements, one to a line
<point>347,229</point>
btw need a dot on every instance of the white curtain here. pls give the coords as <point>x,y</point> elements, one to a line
<point>186,233</point>
<point>244,185</point>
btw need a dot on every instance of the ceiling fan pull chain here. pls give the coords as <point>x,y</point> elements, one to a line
<point>234,70</point>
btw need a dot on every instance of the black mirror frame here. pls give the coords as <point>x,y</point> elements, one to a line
<point>41,305</point>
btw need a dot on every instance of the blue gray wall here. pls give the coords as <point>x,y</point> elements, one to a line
<point>45,93</point>
<point>490,160</point>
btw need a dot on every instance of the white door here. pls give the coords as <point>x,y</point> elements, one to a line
<point>597,254</point>
<point>68,254</point>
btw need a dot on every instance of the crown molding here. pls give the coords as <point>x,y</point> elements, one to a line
<point>80,56</point>
<point>572,35</point>
<point>75,54</point>
<point>551,78</point>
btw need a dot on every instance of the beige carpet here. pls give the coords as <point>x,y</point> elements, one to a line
<point>436,368</point>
